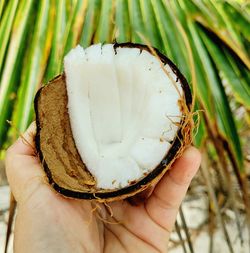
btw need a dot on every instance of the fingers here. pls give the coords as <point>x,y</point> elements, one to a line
<point>164,203</point>
<point>135,220</point>
<point>23,168</point>
<point>141,197</point>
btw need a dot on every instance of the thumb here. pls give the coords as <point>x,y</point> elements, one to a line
<point>23,168</point>
<point>163,205</point>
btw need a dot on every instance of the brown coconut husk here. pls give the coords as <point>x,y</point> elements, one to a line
<point>65,170</point>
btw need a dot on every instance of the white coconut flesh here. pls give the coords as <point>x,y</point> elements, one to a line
<point>123,109</point>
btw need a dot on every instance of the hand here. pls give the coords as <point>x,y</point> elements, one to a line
<point>48,222</point>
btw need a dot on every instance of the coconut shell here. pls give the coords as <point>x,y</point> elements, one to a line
<point>58,154</point>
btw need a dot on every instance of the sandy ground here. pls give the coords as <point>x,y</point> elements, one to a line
<point>195,217</point>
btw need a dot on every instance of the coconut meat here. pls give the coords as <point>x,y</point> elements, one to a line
<point>123,110</point>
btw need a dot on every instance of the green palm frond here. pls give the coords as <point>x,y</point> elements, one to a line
<point>13,66</point>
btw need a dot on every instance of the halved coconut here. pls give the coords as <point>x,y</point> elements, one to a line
<point>113,122</point>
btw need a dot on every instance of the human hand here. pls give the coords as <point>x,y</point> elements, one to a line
<point>48,222</point>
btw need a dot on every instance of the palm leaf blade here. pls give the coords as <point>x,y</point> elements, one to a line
<point>33,73</point>
<point>11,72</point>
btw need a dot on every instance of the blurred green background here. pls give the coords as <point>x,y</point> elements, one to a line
<point>208,40</point>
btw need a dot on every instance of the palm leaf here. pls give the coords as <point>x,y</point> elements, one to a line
<point>2,4</point>
<point>219,25</point>
<point>122,25</point>
<point>11,72</point>
<point>104,31</point>
<point>90,24</point>
<point>150,24</point>
<point>5,28</point>
<point>57,48</point>
<point>75,25</point>
<point>239,87</point>
<point>226,121</point>
<point>136,21</point>
<point>34,69</point>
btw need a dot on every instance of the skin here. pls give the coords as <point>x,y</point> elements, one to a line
<point>48,222</point>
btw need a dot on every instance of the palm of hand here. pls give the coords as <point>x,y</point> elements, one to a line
<point>90,226</point>
<point>57,224</point>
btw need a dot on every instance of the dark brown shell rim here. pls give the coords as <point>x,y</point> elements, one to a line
<point>129,190</point>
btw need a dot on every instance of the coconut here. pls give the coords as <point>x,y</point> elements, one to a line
<point>112,123</point>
